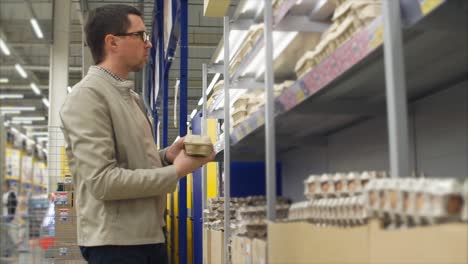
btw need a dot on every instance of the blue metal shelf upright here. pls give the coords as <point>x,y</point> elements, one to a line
<point>160,64</point>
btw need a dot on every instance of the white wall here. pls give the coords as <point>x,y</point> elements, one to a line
<point>438,127</point>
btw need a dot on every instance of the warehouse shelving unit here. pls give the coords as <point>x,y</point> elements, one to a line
<point>363,80</point>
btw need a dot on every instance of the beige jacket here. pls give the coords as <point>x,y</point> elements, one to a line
<point>118,195</point>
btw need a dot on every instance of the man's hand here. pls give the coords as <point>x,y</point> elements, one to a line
<point>173,151</point>
<point>186,164</point>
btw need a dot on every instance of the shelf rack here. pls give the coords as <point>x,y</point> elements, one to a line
<point>424,42</point>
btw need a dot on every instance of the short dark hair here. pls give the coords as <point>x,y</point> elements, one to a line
<point>108,19</point>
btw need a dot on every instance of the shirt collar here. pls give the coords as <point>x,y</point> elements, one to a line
<point>113,75</point>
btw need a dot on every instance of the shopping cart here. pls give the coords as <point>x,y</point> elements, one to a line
<point>12,237</point>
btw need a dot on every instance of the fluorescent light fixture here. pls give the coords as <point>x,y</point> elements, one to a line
<point>28,118</point>
<point>37,28</point>
<point>201,101</point>
<point>45,102</point>
<point>21,71</point>
<point>18,122</point>
<point>35,88</point>
<point>35,134</point>
<point>69,89</point>
<point>6,123</point>
<point>4,80</point>
<point>10,112</point>
<point>4,48</point>
<point>212,84</point>
<point>177,138</point>
<point>42,139</point>
<point>11,96</point>
<point>17,108</point>
<point>32,127</point>
<point>194,112</point>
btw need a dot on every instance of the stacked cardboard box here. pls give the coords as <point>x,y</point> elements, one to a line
<point>303,242</point>
<point>66,248</point>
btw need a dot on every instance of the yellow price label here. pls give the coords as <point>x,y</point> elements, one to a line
<point>429,5</point>
<point>300,96</point>
<point>378,37</point>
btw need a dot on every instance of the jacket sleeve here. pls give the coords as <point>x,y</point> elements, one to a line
<point>162,155</point>
<point>88,130</point>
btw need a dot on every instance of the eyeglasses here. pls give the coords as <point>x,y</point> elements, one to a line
<point>143,35</point>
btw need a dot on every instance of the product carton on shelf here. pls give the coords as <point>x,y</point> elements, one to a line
<point>206,245</point>
<point>302,242</point>
<point>441,244</point>
<point>64,200</point>
<point>217,246</point>
<point>259,251</point>
<point>67,251</point>
<point>65,225</point>
<point>241,250</point>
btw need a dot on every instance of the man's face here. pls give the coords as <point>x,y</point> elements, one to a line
<point>133,51</point>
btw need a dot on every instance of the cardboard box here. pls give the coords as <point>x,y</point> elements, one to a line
<point>306,243</point>
<point>206,245</point>
<point>241,250</point>
<point>439,244</point>
<point>67,251</point>
<point>217,247</point>
<point>64,200</point>
<point>259,251</point>
<point>65,225</point>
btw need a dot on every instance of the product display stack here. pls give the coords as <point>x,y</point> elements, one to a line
<point>66,247</point>
<point>335,199</point>
<point>413,202</point>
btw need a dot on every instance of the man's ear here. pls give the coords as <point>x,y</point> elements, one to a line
<point>110,41</point>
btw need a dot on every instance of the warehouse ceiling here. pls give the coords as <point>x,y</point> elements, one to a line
<point>33,53</point>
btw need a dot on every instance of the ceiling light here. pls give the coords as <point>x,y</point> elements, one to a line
<point>4,48</point>
<point>41,139</point>
<point>17,122</point>
<point>36,28</point>
<point>201,101</point>
<point>35,134</point>
<point>6,123</point>
<point>69,89</point>
<point>35,88</point>
<point>17,108</point>
<point>11,96</point>
<point>32,127</point>
<point>21,71</point>
<point>213,82</point>
<point>28,118</point>
<point>4,80</point>
<point>10,112</point>
<point>45,102</point>
<point>194,112</point>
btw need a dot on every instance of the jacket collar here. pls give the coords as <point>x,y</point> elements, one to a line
<point>122,86</point>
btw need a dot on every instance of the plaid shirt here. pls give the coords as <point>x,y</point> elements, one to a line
<point>113,75</point>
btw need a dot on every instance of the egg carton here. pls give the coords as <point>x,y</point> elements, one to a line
<point>339,184</point>
<point>255,31</point>
<point>411,201</point>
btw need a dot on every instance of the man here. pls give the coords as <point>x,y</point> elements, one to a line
<point>121,179</point>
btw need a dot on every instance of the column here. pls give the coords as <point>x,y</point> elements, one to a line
<point>58,82</point>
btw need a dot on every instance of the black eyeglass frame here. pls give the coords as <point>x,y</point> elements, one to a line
<point>142,34</point>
